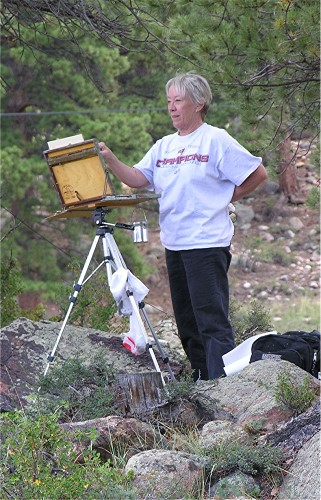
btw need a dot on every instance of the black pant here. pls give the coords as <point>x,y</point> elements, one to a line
<point>200,296</point>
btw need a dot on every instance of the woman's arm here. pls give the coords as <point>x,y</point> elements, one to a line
<point>128,175</point>
<point>252,182</point>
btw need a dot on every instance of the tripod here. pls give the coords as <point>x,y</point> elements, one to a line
<point>113,261</point>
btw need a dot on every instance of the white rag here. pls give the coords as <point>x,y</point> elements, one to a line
<point>118,287</point>
<point>121,281</point>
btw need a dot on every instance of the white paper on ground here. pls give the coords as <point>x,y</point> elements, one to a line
<point>239,357</point>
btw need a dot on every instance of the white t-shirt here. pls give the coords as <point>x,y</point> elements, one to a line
<point>196,175</point>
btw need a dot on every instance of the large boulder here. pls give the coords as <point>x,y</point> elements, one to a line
<point>114,435</point>
<point>291,436</point>
<point>160,474</point>
<point>25,346</point>
<point>248,396</point>
<point>302,480</point>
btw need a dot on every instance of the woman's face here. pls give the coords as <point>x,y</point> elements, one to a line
<point>185,114</point>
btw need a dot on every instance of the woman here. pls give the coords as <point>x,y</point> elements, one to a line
<point>197,171</point>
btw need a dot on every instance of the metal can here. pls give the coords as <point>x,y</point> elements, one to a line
<point>140,233</point>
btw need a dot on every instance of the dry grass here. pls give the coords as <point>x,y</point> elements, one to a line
<point>299,313</point>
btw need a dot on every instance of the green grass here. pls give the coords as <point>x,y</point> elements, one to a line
<point>300,313</point>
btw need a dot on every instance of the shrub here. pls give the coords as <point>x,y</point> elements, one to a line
<point>275,255</point>
<point>180,388</point>
<point>313,200</point>
<point>255,426</point>
<point>95,305</point>
<point>251,322</point>
<point>10,287</point>
<point>38,461</point>
<point>78,391</point>
<point>297,397</point>
<point>250,459</point>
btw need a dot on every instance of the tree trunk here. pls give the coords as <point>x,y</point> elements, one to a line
<point>287,169</point>
<point>288,180</point>
<point>140,393</point>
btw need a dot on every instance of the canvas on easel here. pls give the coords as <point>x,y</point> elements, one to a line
<point>79,171</point>
<point>82,180</point>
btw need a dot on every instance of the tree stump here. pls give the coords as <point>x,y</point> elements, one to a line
<point>140,393</point>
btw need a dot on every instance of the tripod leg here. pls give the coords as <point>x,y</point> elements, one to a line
<point>114,251</point>
<point>109,257</point>
<point>73,299</point>
<point>148,344</point>
<point>159,346</point>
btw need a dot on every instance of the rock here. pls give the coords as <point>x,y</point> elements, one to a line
<point>303,478</point>
<point>296,199</point>
<point>235,407</point>
<point>296,223</point>
<point>244,261</point>
<point>266,236</point>
<point>313,232</point>
<point>248,395</point>
<point>160,474</point>
<point>6,402</point>
<point>312,180</point>
<point>244,214</point>
<point>235,485</point>
<point>245,227</point>
<point>25,345</point>
<point>166,330</point>
<point>114,434</point>
<point>289,234</point>
<point>292,435</point>
<point>271,187</point>
<point>218,432</point>
<point>187,414</point>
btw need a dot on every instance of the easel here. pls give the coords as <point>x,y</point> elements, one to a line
<point>84,187</point>
<point>113,261</point>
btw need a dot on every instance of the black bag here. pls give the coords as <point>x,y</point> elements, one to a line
<point>312,338</point>
<point>300,348</point>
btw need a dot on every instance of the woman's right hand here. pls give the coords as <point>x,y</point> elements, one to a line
<point>130,176</point>
<point>105,151</point>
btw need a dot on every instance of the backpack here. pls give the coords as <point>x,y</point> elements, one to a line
<point>300,348</point>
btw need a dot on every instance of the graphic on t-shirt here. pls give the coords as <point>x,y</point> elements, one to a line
<point>178,160</point>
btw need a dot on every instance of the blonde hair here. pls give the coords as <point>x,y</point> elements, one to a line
<point>193,86</point>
